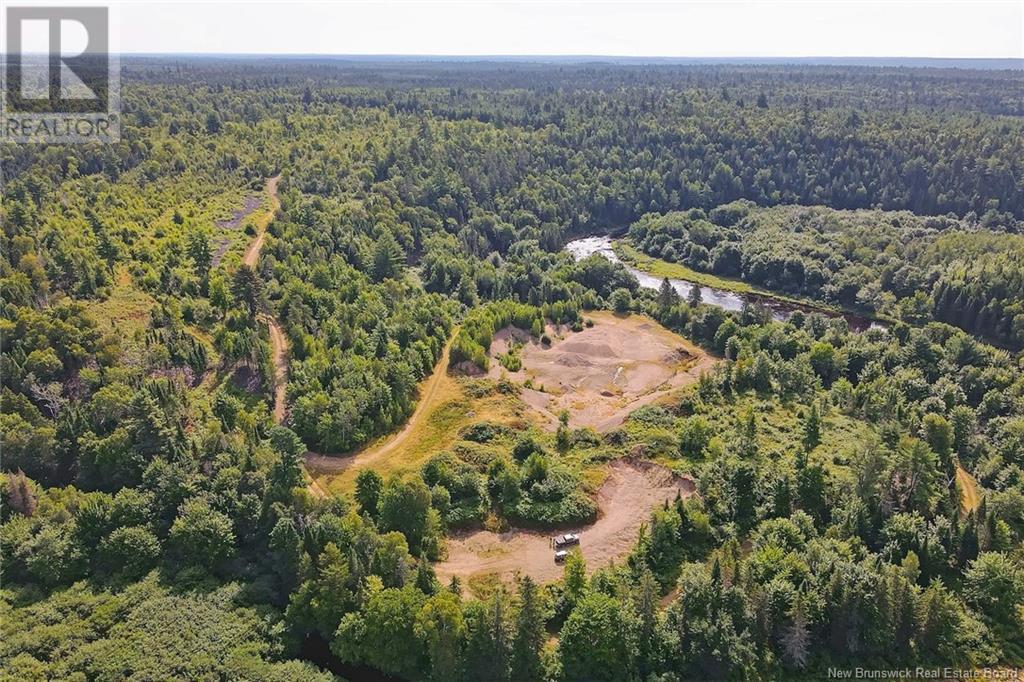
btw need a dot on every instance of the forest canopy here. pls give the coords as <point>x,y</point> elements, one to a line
<point>858,496</point>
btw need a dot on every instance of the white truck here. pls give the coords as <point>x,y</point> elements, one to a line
<point>566,540</point>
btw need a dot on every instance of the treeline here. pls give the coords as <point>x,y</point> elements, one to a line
<point>991,91</point>
<point>473,341</point>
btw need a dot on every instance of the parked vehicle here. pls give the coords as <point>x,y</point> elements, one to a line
<point>560,556</point>
<point>566,540</point>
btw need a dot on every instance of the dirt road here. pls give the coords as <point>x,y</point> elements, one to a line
<point>335,464</point>
<point>969,497</point>
<point>279,350</point>
<point>252,252</point>
<point>278,341</point>
<point>631,491</point>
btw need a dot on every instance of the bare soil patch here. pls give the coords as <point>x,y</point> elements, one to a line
<point>629,493</point>
<point>601,374</point>
<point>250,204</point>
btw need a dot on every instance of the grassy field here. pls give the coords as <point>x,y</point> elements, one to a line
<point>126,310</point>
<point>662,268</point>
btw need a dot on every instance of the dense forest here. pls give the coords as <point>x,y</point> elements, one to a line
<point>860,497</point>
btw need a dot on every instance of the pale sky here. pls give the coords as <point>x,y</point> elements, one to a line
<point>737,28</point>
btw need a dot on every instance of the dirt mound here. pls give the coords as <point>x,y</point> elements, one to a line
<point>679,355</point>
<point>633,488</point>
<point>573,360</point>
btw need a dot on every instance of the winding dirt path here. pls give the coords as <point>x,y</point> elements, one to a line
<point>252,252</point>
<point>278,340</point>
<point>627,497</point>
<point>335,464</point>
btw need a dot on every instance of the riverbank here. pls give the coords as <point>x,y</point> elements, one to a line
<point>731,294</point>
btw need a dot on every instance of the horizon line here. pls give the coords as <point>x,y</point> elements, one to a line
<point>963,63</point>
<point>544,55</point>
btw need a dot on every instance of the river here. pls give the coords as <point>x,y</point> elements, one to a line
<point>729,300</point>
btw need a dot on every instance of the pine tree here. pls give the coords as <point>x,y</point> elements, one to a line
<point>903,614</point>
<point>812,427</point>
<point>748,435</point>
<point>694,296</point>
<point>968,551</point>
<point>782,496</point>
<point>575,577</point>
<point>388,258</point>
<point>646,608</point>
<point>496,662</point>
<point>667,295</point>
<point>529,633</point>
<point>426,580</point>
<point>199,252</point>
<point>247,288</point>
<point>379,340</point>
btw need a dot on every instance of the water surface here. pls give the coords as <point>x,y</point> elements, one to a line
<point>729,300</point>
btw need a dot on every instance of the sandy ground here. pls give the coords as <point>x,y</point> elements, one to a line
<point>631,491</point>
<point>969,495</point>
<point>603,373</point>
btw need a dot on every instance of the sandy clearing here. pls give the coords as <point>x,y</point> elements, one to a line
<point>601,374</point>
<point>970,497</point>
<point>633,488</point>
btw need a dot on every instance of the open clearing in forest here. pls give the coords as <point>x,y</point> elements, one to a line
<point>602,373</point>
<point>444,405</point>
<point>629,493</point>
<point>970,498</point>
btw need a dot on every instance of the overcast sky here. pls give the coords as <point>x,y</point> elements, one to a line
<point>747,28</point>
